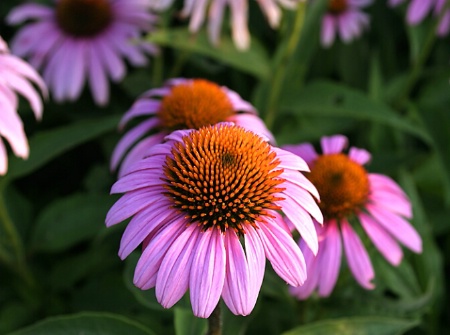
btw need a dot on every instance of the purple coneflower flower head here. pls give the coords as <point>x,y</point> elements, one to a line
<point>181,104</point>
<point>349,196</point>
<point>79,41</point>
<point>197,9</point>
<point>205,205</point>
<point>16,76</point>
<point>419,9</point>
<point>344,18</point>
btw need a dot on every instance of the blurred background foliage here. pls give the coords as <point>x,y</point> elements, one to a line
<point>387,91</point>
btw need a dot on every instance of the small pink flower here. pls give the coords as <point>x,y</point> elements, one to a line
<point>349,194</point>
<point>419,9</point>
<point>344,17</point>
<point>15,76</point>
<point>197,9</point>
<point>78,41</point>
<point>181,104</point>
<point>205,205</point>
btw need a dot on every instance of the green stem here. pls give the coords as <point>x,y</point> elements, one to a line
<point>282,65</point>
<point>19,263</point>
<point>181,59</point>
<point>215,322</point>
<point>157,69</point>
<point>418,65</point>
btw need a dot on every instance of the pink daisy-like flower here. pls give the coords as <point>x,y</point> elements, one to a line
<point>15,76</point>
<point>205,205</point>
<point>344,17</point>
<point>349,194</point>
<point>83,40</point>
<point>419,9</point>
<point>197,9</point>
<point>182,104</point>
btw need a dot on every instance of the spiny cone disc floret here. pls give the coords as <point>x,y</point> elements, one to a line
<point>83,18</point>
<point>195,104</point>
<point>337,6</point>
<point>343,185</point>
<point>223,177</point>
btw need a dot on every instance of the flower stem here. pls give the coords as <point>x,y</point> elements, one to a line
<point>215,322</point>
<point>282,65</point>
<point>18,264</point>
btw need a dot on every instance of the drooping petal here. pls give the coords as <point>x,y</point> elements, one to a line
<point>142,225</point>
<point>140,151</point>
<point>330,254</point>
<point>383,241</point>
<point>302,222</point>
<point>357,257</point>
<point>328,31</point>
<point>130,138</point>
<point>417,10</point>
<point>131,203</point>
<point>303,199</point>
<point>296,178</point>
<point>256,261</point>
<point>283,253</point>
<point>237,277</point>
<point>207,276</point>
<point>173,276</point>
<point>150,261</point>
<point>386,191</point>
<point>397,227</point>
<point>314,273</point>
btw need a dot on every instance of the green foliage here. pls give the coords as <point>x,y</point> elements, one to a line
<point>88,324</point>
<point>355,326</point>
<point>387,91</point>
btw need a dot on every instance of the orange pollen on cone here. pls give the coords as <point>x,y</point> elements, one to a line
<point>223,177</point>
<point>195,104</point>
<point>343,185</point>
<point>337,6</point>
<point>81,18</point>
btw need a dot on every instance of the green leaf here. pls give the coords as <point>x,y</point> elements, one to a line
<point>328,99</point>
<point>86,324</point>
<point>355,326</point>
<point>430,263</point>
<point>308,44</point>
<point>400,279</point>
<point>253,61</point>
<point>188,324</point>
<point>47,145</point>
<point>437,122</point>
<point>68,221</point>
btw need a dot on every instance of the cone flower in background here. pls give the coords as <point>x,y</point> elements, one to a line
<point>344,18</point>
<point>205,204</point>
<point>197,9</point>
<point>181,104</point>
<point>78,41</point>
<point>350,195</point>
<point>419,9</point>
<point>16,76</point>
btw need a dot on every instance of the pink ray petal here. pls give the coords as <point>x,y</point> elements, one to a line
<point>150,261</point>
<point>357,257</point>
<point>173,276</point>
<point>333,144</point>
<point>207,276</point>
<point>330,253</point>
<point>283,253</point>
